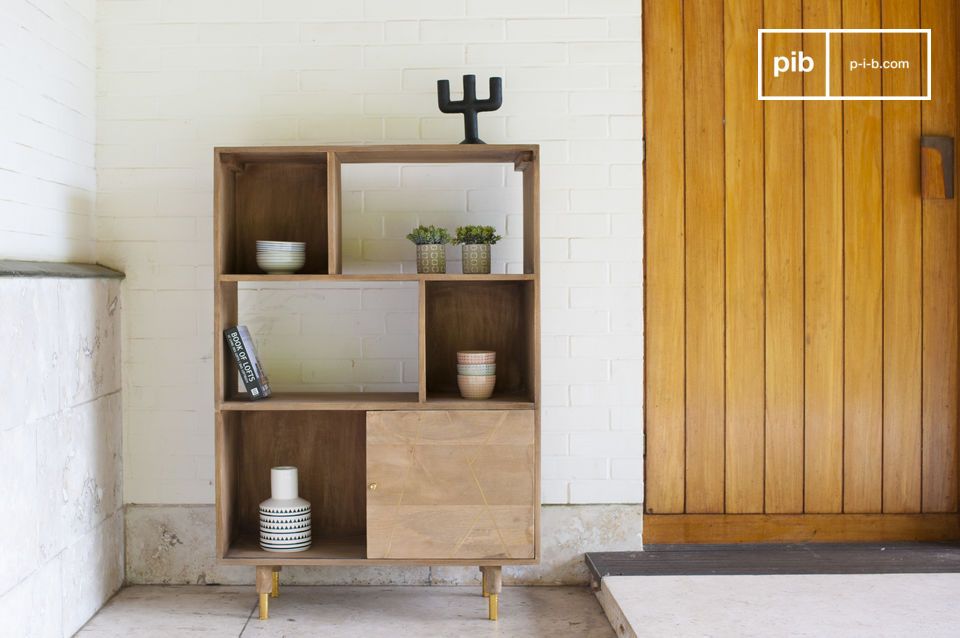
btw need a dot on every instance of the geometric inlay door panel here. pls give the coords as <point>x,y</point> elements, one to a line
<point>451,485</point>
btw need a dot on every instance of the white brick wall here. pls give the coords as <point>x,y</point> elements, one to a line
<point>47,122</point>
<point>340,338</point>
<point>382,202</point>
<point>178,77</point>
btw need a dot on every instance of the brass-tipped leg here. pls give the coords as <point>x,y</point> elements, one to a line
<point>493,606</point>
<point>275,591</point>
<point>483,583</point>
<point>264,606</point>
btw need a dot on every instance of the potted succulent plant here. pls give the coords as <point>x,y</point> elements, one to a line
<point>430,241</point>
<point>476,242</point>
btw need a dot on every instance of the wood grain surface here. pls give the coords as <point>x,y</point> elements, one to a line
<point>801,298</point>
<point>281,202</point>
<point>450,485</point>
<point>704,254</point>
<point>784,263</point>
<point>664,323</point>
<point>293,193</point>
<point>940,291</point>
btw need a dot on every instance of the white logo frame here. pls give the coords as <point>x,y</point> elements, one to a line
<point>840,98</point>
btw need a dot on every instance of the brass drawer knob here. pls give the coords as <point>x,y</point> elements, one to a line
<point>372,486</point>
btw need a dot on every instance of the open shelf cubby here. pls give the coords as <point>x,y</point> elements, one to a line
<point>480,315</point>
<point>276,201</point>
<point>327,447</point>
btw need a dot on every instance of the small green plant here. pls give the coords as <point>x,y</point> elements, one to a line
<point>477,235</point>
<point>429,235</point>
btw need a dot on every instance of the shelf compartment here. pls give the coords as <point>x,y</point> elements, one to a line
<point>383,201</point>
<point>333,336</point>
<point>273,200</point>
<point>489,315</point>
<point>328,448</point>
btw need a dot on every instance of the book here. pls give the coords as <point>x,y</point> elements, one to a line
<point>248,364</point>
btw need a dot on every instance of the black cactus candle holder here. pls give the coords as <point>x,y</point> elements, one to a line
<point>469,106</point>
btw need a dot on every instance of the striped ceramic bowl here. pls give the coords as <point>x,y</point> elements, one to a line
<point>474,357</point>
<point>474,387</point>
<point>278,246</point>
<point>281,265</point>
<point>476,369</point>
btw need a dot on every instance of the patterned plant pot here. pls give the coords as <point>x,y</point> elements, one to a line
<point>476,259</point>
<point>431,259</point>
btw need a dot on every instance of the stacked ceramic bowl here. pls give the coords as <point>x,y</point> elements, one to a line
<point>284,517</point>
<point>281,257</point>
<point>476,373</point>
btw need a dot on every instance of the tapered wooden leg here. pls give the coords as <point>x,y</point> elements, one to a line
<point>264,588</point>
<point>494,585</point>
<point>275,590</point>
<point>483,582</point>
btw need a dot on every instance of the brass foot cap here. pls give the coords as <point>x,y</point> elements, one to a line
<point>264,607</point>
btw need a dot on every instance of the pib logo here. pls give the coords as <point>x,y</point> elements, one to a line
<point>796,62</point>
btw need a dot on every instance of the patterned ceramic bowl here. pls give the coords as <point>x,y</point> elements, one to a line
<point>474,387</point>
<point>276,264</point>
<point>274,258</point>
<point>476,369</point>
<point>474,357</point>
<point>277,246</point>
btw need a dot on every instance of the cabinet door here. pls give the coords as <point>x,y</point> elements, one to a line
<point>451,484</point>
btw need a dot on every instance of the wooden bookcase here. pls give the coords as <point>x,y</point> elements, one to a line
<point>405,478</point>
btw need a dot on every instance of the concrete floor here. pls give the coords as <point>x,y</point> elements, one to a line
<point>849,606</point>
<point>345,612</point>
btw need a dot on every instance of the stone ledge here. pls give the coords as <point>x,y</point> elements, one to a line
<point>13,268</point>
<point>174,545</point>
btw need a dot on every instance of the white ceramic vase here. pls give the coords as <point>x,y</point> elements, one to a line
<point>284,517</point>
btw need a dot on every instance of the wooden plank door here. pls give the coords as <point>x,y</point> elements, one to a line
<point>802,299</point>
<point>451,484</point>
